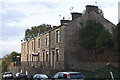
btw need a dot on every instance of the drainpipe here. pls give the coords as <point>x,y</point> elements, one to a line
<point>49,48</point>
<point>34,45</point>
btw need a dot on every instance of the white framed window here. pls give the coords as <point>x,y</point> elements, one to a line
<point>39,43</point>
<point>47,40</point>
<point>57,36</point>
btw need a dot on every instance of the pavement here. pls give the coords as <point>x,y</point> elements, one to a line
<point>14,79</point>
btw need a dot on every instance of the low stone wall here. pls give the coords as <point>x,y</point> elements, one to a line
<point>88,66</point>
<point>31,70</point>
<point>15,69</point>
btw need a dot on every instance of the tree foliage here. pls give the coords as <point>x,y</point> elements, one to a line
<point>100,12</point>
<point>116,38</point>
<point>7,59</point>
<point>34,31</point>
<point>94,37</point>
<point>104,41</point>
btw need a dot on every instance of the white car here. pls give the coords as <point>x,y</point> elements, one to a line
<point>40,77</point>
<point>8,75</point>
<point>68,76</point>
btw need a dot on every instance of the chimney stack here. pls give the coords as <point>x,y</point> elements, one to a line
<point>76,15</point>
<point>64,21</point>
<point>90,8</point>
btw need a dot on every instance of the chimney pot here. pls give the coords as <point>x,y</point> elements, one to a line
<point>63,18</point>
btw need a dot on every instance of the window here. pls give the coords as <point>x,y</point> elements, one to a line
<point>53,54</point>
<point>27,57</point>
<point>47,40</point>
<point>38,57</point>
<point>39,43</point>
<point>43,56</point>
<point>24,47</point>
<point>46,56</point>
<point>28,46</point>
<point>57,36</point>
<point>57,55</point>
<point>32,45</point>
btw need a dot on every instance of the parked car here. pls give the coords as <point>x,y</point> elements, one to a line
<point>20,76</point>
<point>40,77</point>
<point>68,76</point>
<point>7,75</point>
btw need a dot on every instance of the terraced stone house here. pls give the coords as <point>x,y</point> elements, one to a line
<point>59,49</point>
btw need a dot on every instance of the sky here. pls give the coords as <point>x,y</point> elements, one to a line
<point>18,15</point>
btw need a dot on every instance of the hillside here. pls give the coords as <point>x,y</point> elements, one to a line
<point>0,62</point>
<point>0,67</point>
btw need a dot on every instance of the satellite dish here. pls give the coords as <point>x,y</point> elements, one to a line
<point>71,9</point>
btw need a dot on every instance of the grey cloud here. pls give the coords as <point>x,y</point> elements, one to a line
<point>10,14</point>
<point>50,5</point>
<point>12,33</point>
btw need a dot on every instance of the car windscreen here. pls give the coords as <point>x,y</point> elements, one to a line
<point>76,76</point>
<point>44,76</point>
<point>41,76</point>
<point>8,73</point>
<point>22,74</point>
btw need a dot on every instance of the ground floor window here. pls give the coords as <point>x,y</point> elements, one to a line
<point>46,56</point>
<point>57,55</point>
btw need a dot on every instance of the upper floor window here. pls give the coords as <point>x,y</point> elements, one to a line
<point>47,40</point>
<point>24,47</point>
<point>39,42</point>
<point>32,45</point>
<point>27,46</point>
<point>57,36</point>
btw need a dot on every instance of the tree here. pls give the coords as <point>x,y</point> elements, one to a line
<point>4,66</point>
<point>15,54</point>
<point>91,37</point>
<point>104,41</point>
<point>100,12</point>
<point>34,31</point>
<point>116,39</point>
<point>7,59</point>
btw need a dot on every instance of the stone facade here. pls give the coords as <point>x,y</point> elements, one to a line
<point>46,47</point>
<point>58,49</point>
<point>72,48</point>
